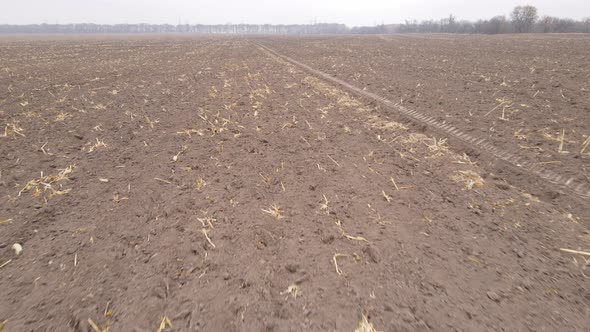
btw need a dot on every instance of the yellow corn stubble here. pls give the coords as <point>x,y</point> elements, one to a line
<point>274,211</point>
<point>469,178</point>
<point>47,182</point>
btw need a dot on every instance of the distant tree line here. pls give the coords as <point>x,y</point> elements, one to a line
<point>264,29</point>
<point>523,19</point>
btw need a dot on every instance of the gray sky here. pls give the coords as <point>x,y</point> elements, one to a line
<point>350,12</point>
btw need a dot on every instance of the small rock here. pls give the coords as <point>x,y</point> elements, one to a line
<point>292,268</point>
<point>328,240</point>
<point>407,316</point>
<point>78,136</point>
<point>372,253</point>
<point>502,186</point>
<point>527,283</point>
<point>493,296</point>
<point>17,248</point>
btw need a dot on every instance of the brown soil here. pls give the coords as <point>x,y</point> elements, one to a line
<point>210,183</point>
<point>521,92</point>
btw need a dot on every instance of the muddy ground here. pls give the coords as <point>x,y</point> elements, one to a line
<point>189,183</point>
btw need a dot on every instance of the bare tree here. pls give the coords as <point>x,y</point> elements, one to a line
<point>547,24</point>
<point>449,24</point>
<point>524,18</point>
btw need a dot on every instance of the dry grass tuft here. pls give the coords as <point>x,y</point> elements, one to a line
<point>324,205</point>
<point>394,184</point>
<point>165,322</point>
<point>356,257</point>
<point>294,290</point>
<point>413,138</point>
<point>561,142</point>
<point>380,123</point>
<point>379,219</point>
<point>350,237</point>
<point>530,198</point>
<point>335,260</point>
<point>207,221</point>
<point>503,204</point>
<point>5,221</point>
<point>463,159</point>
<point>519,135</point>
<point>366,326</point>
<point>585,145</point>
<point>475,260</point>
<point>62,116</point>
<point>200,184</point>
<point>131,114</point>
<point>90,147</point>
<point>571,218</point>
<point>150,122</point>
<point>96,328</point>
<point>469,178</point>
<point>213,92</point>
<point>551,136</point>
<point>583,253</point>
<point>13,129</point>
<point>190,132</point>
<point>206,234</point>
<point>438,147</point>
<point>267,179</point>
<point>118,199</point>
<point>388,198</point>
<point>46,183</point>
<point>275,211</point>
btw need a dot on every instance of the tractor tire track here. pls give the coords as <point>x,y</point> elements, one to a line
<point>572,185</point>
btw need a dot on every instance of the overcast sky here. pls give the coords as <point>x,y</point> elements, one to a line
<point>350,12</point>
